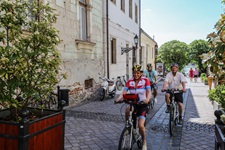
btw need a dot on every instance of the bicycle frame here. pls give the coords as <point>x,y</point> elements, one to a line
<point>129,132</point>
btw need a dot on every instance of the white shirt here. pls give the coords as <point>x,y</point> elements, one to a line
<point>175,82</point>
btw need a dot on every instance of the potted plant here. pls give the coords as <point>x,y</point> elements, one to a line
<point>217,95</point>
<point>202,76</point>
<point>29,66</point>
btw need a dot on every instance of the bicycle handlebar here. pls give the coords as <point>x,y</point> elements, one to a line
<point>173,90</point>
<point>130,102</point>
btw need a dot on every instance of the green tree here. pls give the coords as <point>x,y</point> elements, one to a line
<point>215,58</point>
<point>173,51</point>
<point>29,63</point>
<point>197,48</point>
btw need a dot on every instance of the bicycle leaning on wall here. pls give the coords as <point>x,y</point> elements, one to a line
<point>120,83</point>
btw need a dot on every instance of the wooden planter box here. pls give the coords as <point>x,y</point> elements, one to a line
<point>219,137</point>
<point>46,133</point>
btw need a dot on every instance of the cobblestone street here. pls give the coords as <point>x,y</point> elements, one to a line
<point>96,125</point>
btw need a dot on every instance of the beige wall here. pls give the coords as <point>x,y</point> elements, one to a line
<point>148,49</point>
<point>80,60</point>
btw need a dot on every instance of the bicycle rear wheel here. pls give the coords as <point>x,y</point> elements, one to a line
<point>126,139</point>
<point>119,85</point>
<point>171,121</point>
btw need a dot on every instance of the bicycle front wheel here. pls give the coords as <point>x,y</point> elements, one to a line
<point>171,121</point>
<point>119,85</point>
<point>102,94</point>
<point>126,139</point>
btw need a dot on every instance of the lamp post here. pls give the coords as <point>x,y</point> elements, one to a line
<point>127,49</point>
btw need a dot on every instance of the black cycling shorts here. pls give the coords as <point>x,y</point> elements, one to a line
<point>178,97</point>
<point>154,87</point>
<point>141,110</point>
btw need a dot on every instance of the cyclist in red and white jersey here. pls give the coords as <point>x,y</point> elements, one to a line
<point>138,85</point>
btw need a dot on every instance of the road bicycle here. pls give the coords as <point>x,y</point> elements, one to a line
<point>174,111</point>
<point>130,134</point>
<point>120,83</point>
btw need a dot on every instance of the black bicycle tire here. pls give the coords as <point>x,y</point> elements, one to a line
<point>171,121</point>
<point>139,144</point>
<point>119,85</point>
<point>175,114</point>
<point>102,94</point>
<point>113,95</point>
<point>122,138</point>
<point>153,103</point>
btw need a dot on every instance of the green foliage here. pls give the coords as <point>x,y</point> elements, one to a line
<point>173,51</point>
<point>197,48</point>
<point>218,94</point>
<point>29,63</point>
<point>203,75</point>
<point>212,95</point>
<point>216,57</point>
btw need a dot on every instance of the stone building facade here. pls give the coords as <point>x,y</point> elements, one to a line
<point>80,28</point>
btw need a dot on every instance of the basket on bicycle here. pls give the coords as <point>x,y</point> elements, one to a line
<point>130,98</point>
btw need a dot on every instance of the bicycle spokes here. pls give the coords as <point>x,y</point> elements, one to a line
<point>126,139</point>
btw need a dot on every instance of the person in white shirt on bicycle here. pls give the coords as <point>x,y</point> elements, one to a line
<point>175,80</point>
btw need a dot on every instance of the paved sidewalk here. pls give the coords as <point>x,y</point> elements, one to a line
<point>97,125</point>
<point>197,131</point>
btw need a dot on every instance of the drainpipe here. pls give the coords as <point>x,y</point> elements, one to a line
<point>140,26</point>
<point>107,36</point>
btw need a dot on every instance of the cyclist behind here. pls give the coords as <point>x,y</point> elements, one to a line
<point>152,76</point>
<point>175,80</point>
<point>140,85</point>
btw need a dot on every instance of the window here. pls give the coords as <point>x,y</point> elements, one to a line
<point>88,83</point>
<point>134,57</point>
<point>114,1</point>
<point>136,14</point>
<point>123,5</point>
<point>130,8</point>
<point>113,51</point>
<point>140,56</point>
<point>83,20</point>
<point>152,52</point>
<point>31,16</point>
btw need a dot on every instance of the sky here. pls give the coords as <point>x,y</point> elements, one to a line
<point>183,20</point>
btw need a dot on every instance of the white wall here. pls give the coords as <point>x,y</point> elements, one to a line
<point>123,29</point>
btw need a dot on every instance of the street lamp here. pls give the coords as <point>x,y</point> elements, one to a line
<point>127,49</point>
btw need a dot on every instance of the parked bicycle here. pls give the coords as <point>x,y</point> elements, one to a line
<point>50,102</point>
<point>130,134</point>
<point>174,113</point>
<point>120,83</point>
